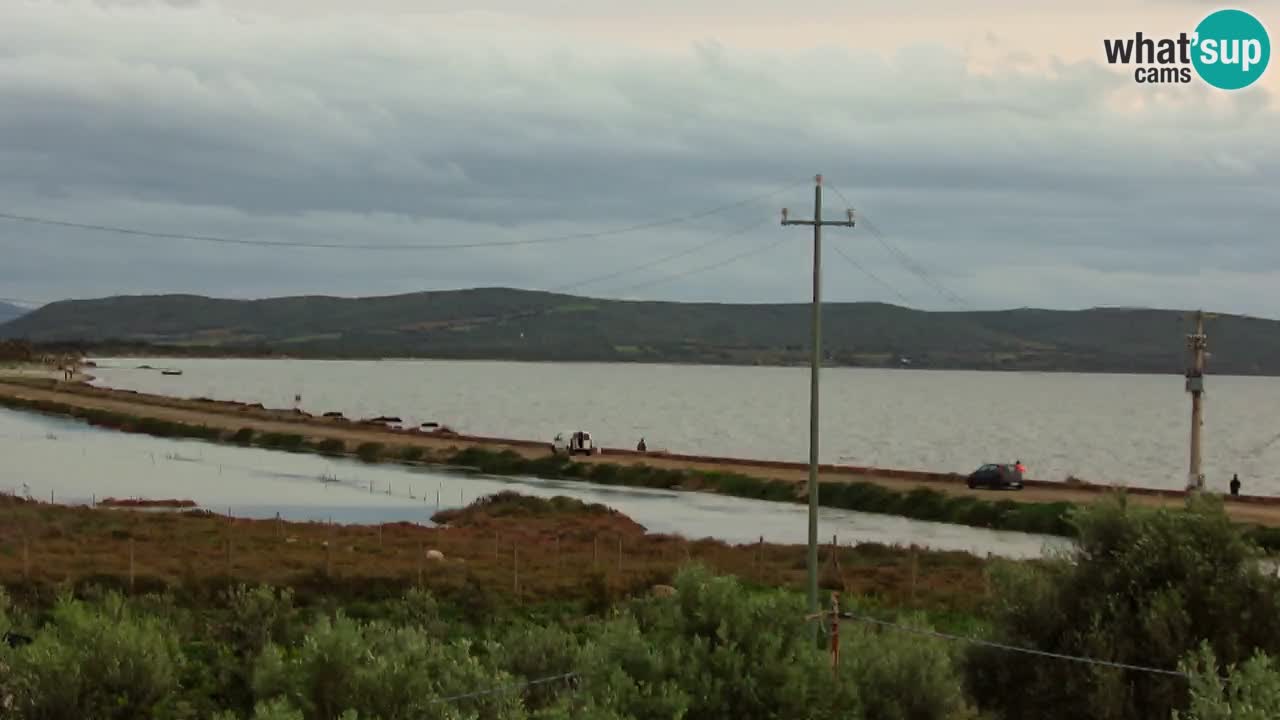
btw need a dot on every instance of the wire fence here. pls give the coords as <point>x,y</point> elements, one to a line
<point>1010,648</point>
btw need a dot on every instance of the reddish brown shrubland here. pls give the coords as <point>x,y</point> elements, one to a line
<point>524,554</point>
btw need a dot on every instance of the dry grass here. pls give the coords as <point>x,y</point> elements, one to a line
<point>522,557</point>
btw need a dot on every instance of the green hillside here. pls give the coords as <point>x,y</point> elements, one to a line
<point>502,323</point>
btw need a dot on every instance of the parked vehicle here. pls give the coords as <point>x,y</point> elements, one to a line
<point>1003,476</point>
<point>577,443</point>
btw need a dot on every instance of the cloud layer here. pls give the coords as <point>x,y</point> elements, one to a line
<point>1016,178</point>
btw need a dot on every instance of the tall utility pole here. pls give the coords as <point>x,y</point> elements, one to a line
<point>815,362</point>
<point>1197,343</point>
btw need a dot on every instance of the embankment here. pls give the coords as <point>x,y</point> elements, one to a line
<point>1042,507</point>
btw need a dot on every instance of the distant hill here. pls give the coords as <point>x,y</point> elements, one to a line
<point>10,312</point>
<point>500,323</point>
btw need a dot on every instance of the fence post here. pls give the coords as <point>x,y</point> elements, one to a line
<point>986,576</point>
<point>915,569</point>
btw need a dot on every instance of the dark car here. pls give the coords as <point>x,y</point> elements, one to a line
<point>1000,477</point>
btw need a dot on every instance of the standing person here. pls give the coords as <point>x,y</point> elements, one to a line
<point>641,447</point>
<point>1235,484</point>
<point>1022,469</point>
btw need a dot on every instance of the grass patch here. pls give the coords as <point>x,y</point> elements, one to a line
<point>331,446</point>
<point>281,441</point>
<point>411,453</point>
<point>370,452</point>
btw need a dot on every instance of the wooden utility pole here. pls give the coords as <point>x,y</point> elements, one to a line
<point>815,362</point>
<point>1197,343</point>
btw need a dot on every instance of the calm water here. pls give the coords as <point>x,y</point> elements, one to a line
<point>1123,429</point>
<point>77,463</point>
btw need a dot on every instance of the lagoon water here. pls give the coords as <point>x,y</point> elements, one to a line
<point>1121,429</point>
<point>75,463</point>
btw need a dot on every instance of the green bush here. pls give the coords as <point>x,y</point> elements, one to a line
<point>243,436</point>
<point>379,672</point>
<point>1249,691</point>
<point>94,662</point>
<point>1145,587</point>
<point>331,446</point>
<point>411,453</point>
<point>281,441</point>
<point>369,451</point>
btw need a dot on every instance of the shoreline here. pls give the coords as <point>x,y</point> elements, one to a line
<point>237,422</point>
<point>797,365</point>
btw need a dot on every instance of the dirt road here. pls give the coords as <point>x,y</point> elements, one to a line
<point>231,416</point>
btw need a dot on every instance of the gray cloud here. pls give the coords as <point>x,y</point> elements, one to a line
<point>1064,187</point>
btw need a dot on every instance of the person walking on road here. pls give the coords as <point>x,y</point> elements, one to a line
<point>1235,484</point>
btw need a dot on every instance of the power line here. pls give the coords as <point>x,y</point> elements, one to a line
<point>866,271</point>
<point>712,266</point>
<point>917,269</point>
<point>911,265</point>
<point>504,688</point>
<point>1012,648</point>
<point>401,246</point>
<point>644,266</point>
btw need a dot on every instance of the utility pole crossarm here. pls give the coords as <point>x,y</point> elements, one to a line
<point>786,220</point>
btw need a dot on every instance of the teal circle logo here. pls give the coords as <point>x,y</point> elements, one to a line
<point>1231,49</point>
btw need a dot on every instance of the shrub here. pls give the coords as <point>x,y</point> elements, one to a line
<point>243,436</point>
<point>380,672</point>
<point>331,446</point>
<point>281,441</point>
<point>706,653</point>
<point>411,453</point>
<point>98,662</point>
<point>370,451</point>
<point>1250,691</point>
<point>1145,587</point>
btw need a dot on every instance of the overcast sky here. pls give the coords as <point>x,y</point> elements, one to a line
<point>987,141</point>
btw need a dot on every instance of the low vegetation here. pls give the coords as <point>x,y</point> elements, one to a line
<point>1166,613</point>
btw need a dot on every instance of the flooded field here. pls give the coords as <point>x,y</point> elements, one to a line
<point>74,463</point>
